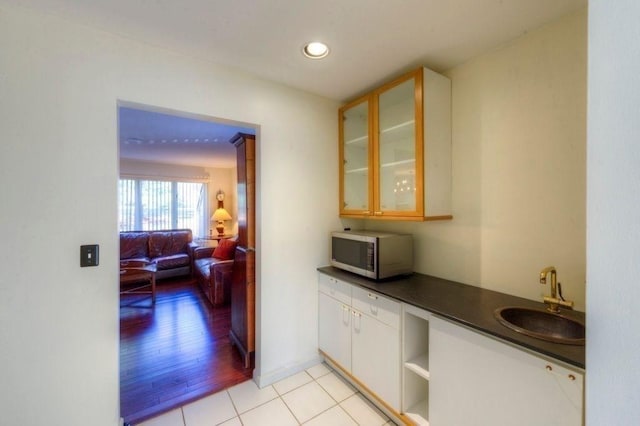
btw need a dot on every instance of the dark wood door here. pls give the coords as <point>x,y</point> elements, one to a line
<point>243,281</point>
<point>243,304</point>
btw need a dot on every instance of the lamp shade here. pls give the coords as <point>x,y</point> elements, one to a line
<point>221,214</point>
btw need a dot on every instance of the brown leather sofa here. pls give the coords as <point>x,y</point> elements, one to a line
<point>170,250</point>
<point>214,273</point>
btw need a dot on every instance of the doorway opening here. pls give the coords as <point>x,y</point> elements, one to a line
<point>175,344</point>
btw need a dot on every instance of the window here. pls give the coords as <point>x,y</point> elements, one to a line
<point>147,205</point>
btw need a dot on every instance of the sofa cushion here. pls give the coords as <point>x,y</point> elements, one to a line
<point>133,245</point>
<point>159,244</point>
<point>179,242</point>
<point>225,250</point>
<point>172,261</point>
<point>167,243</point>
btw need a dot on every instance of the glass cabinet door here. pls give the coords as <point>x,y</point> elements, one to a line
<point>355,164</point>
<point>399,175</point>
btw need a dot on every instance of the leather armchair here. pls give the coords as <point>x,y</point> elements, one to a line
<point>213,275</point>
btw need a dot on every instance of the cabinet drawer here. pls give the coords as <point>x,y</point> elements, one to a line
<point>335,288</point>
<point>376,306</point>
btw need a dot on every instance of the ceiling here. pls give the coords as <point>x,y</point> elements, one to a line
<point>170,137</point>
<point>370,40</point>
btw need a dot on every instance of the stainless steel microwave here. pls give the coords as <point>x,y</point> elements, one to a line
<point>372,254</point>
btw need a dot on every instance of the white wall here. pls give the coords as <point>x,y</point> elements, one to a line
<point>519,179</point>
<point>59,85</point>
<point>613,209</point>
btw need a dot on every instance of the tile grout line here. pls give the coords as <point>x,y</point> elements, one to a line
<point>313,379</point>
<point>355,393</point>
<point>331,396</point>
<point>235,409</point>
<point>184,419</point>
<point>259,405</point>
<point>279,395</point>
<point>291,390</point>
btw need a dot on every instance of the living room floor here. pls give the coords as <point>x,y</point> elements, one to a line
<point>317,396</point>
<point>174,352</point>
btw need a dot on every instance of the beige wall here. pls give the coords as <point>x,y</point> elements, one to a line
<point>224,179</point>
<point>519,178</point>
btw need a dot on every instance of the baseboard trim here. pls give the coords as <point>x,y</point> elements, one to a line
<point>284,372</point>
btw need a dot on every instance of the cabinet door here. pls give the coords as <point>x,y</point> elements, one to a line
<point>334,330</point>
<point>477,380</point>
<point>397,154</point>
<point>355,158</point>
<point>376,357</point>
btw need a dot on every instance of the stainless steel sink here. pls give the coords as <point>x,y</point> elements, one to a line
<point>542,324</point>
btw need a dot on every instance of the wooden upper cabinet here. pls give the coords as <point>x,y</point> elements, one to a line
<point>395,150</point>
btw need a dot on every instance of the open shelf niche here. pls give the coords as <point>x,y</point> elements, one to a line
<point>415,367</point>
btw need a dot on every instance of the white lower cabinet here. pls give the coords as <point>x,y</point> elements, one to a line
<point>334,331</point>
<point>375,345</point>
<point>362,335</point>
<point>434,372</point>
<point>477,380</point>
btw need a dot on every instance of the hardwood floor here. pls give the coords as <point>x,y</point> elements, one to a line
<point>174,352</point>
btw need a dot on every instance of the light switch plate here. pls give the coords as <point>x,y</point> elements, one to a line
<point>89,255</point>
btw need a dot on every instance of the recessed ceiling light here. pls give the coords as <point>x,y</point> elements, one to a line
<point>315,50</point>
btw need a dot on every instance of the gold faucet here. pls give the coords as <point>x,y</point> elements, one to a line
<point>553,301</point>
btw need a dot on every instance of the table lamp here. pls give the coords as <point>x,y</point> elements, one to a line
<point>220,215</point>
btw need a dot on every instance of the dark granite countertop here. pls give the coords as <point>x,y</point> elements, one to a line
<point>467,305</point>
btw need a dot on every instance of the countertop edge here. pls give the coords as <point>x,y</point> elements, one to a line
<point>468,306</point>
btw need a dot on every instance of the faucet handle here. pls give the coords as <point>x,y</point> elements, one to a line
<point>554,303</point>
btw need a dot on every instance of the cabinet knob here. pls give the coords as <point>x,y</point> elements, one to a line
<point>372,296</point>
<point>549,368</point>
<point>572,377</point>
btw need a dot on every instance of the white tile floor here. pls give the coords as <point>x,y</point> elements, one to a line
<point>317,396</point>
